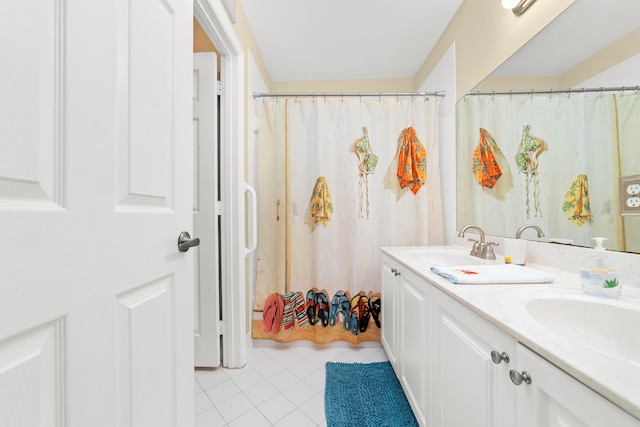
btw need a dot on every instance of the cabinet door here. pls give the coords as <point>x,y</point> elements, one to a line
<point>469,388</point>
<point>389,312</point>
<point>555,399</point>
<point>414,354</point>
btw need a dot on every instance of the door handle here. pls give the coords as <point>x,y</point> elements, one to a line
<point>253,245</point>
<point>185,241</point>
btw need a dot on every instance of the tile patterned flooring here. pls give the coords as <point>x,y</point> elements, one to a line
<point>281,385</point>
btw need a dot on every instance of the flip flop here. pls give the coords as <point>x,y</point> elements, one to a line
<point>335,308</point>
<point>355,313</point>
<point>288,314</point>
<point>345,309</point>
<point>363,307</point>
<point>269,313</point>
<point>277,316</point>
<point>310,306</point>
<point>374,306</point>
<point>322,308</point>
<point>297,300</point>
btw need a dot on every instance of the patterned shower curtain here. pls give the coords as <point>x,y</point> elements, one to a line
<point>329,198</point>
<point>559,157</point>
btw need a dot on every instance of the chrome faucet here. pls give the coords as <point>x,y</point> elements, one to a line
<point>524,227</point>
<point>479,248</point>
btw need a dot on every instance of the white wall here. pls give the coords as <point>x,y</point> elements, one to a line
<point>255,83</point>
<point>443,78</point>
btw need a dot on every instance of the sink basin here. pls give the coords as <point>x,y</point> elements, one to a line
<point>444,256</point>
<point>606,328</point>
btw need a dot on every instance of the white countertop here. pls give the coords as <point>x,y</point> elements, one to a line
<point>503,306</point>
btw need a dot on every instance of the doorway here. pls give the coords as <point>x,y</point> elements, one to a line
<point>206,178</point>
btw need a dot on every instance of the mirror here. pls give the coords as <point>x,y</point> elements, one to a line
<point>580,143</point>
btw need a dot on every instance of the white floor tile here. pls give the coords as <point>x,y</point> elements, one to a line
<point>211,378</point>
<point>281,385</point>
<point>276,408</point>
<point>247,379</point>
<point>302,368</point>
<point>283,380</point>
<point>299,393</point>
<point>253,418</point>
<point>223,391</point>
<point>288,358</point>
<point>295,419</point>
<point>202,403</point>
<point>316,380</point>
<point>233,407</point>
<point>260,392</point>
<point>269,368</point>
<point>210,418</point>
<point>314,408</point>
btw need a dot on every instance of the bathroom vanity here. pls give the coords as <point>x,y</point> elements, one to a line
<point>485,355</point>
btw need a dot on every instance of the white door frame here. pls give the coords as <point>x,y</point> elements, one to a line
<point>214,20</point>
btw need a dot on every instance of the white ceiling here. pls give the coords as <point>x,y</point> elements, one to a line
<point>342,40</point>
<point>379,39</point>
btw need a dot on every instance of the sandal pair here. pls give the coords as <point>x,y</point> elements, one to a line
<point>360,313</point>
<point>340,305</point>
<point>317,307</point>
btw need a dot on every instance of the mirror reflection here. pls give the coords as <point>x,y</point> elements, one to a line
<point>553,157</point>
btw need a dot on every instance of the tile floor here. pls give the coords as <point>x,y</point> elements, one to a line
<point>281,385</point>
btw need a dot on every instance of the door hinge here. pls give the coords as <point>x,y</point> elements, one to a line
<point>220,87</point>
<point>221,328</point>
<point>218,208</point>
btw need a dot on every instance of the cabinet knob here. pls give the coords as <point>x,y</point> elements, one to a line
<point>395,272</point>
<point>499,357</point>
<point>518,378</point>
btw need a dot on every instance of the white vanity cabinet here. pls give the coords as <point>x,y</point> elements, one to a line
<point>471,359</point>
<point>456,367</point>
<point>405,333</point>
<point>390,311</point>
<point>553,398</point>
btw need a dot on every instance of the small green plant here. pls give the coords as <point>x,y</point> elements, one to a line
<point>610,283</point>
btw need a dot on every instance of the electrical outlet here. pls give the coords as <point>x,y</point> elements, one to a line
<point>633,189</point>
<point>630,195</point>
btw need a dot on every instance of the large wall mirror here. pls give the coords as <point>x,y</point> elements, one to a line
<point>559,154</point>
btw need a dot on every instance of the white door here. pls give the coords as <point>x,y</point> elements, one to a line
<point>205,218</point>
<point>95,186</point>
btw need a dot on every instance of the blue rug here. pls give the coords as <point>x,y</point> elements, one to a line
<point>365,394</point>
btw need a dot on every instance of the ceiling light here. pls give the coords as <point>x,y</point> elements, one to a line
<point>510,4</point>
<point>518,7</point>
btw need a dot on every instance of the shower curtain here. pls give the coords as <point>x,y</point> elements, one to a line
<point>581,139</point>
<point>334,161</point>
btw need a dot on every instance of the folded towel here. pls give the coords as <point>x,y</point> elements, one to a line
<point>492,274</point>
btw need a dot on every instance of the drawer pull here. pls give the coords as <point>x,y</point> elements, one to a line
<point>499,357</point>
<point>518,378</point>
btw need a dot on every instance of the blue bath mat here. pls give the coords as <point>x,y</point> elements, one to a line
<point>365,394</point>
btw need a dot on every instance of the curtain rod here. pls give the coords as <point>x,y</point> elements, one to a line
<point>343,94</point>
<point>560,91</point>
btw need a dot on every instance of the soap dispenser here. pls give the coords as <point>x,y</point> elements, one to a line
<point>598,274</point>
